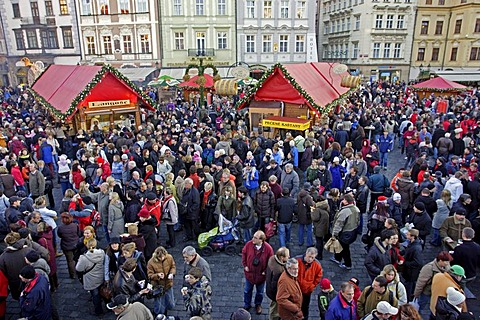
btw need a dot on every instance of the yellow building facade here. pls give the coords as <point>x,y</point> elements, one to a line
<point>446,37</point>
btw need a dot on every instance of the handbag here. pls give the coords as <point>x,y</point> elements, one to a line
<point>270,229</point>
<point>333,246</point>
<point>106,291</point>
<point>348,237</point>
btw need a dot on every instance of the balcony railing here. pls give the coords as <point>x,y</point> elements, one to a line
<point>33,21</point>
<point>210,52</point>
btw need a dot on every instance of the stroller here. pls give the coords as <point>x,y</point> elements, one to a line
<point>221,238</point>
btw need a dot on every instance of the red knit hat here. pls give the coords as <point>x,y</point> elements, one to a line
<point>382,199</point>
<point>325,284</point>
<point>144,213</point>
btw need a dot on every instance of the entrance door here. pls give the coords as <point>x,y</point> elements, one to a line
<point>200,43</point>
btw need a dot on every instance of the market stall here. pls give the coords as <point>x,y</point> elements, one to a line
<point>91,95</point>
<point>439,86</point>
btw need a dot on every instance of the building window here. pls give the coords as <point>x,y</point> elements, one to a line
<point>348,24</point>
<point>142,6</point>
<point>177,7</point>
<point>63,7</point>
<point>67,36</point>
<point>424,27</point>
<point>145,43</point>
<point>477,25</point>
<point>34,7</point>
<point>435,53</point>
<point>326,28</point>
<point>355,50</point>
<point>90,41</point>
<point>475,53</point>
<point>283,43</point>
<point>199,8</point>
<point>284,6</point>
<point>332,29</point>
<point>251,9</point>
<point>299,43</point>
<point>379,21</point>
<point>458,26</point>
<point>179,41</point>
<point>267,9</point>
<point>124,6</point>
<point>32,39</point>
<point>397,50</point>
<point>439,27</point>
<point>127,43</point>
<point>86,7</point>
<point>428,2</point>
<point>19,39</point>
<point>376,50</point>
<point>301,9</point>
<point>250,44</point>
<point>357,23</point>
<point>386,50</point>
<point>267,43</point>
<point>222,7</point>
<point>453,54</point>
<point>103,6</point>
<point>16,10</point>
<point>441,2</point>
<point>222,40</point>
<point>421,54</point>
<point>107,45</point>
<point>343,24</point>
<point>390,21</point>
<point>400,21</point>
<point>48,8</point>
<point>201,39</point>
<point>49,39</point>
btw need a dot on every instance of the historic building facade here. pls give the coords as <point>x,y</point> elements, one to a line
<point>41,30</point>
<point>372,37</point>
<point>447,37</point>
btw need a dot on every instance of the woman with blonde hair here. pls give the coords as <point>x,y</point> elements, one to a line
<point>90,265</point>
<point>161,270</point>
<point>394,284</point>
<point>444,204</point>
<point>116,222</point>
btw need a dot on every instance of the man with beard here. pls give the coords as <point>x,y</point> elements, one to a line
<point>289,294</point>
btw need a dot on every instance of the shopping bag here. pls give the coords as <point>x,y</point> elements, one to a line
<point>333,246</point>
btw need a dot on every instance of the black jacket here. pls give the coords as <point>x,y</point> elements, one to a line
<point>430,204</point>
<point>122,284</point>
<point>286,207</point>
<point>467,255</point>
<point>264,203</point>
<point>422,222</point>
<point>413,261</point>
<point>377,258</point>
<point>191,203</point>
<point>131,210</point>
<point>147,229</point>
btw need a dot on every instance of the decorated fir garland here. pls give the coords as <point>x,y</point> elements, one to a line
<point>86,91</point>
<point>201,79</point>
<point>438,89</point>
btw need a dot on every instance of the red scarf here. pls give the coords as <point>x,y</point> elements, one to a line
<point>29,286</point>
<point>205,198</point>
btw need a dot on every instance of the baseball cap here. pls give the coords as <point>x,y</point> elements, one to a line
<point>397,196</point>
<point>454,297</point>
<point>119,301</point>
<point>457,270</point>
<point>385,307</point>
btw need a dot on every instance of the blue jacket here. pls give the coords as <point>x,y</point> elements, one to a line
<point>377,182</point>
<point>117,169</point>
<point>339,309</point>
<point>251,184</point>
<point>337,172</point>
<point>36,304</point>
<point>46,151</point>
<point>384,143</point>
<point>294,152</point>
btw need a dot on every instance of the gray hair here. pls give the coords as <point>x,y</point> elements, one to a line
<point>312,250</point>
<point>346,285</point>
<point>289,166</point>
<point>189,251</point>
<point>189,180</point>
<point>291,262</point>
<point>468,233</point>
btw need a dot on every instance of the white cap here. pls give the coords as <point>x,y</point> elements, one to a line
<point>385,307</point>
<point>336,159</point>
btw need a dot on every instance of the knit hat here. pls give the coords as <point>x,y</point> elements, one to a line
<point>454,297</point>
<point>28,272</point>
<point>336,159</point>
<point>385,307</point>
<point>144,213</point>
<point>32,256</point>
<point>241,314</point>
<point>124,156</point>
<point>397,197</point>
<point>420,206</point>
<point>325,284</point>
<point>151,196</point>
<point>382,199</point>
<point>307,186</point>
<point>321,163</point>
<point>457,270</point>
<point>117,239</point>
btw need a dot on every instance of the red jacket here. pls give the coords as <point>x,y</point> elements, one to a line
<point>18,176</point>
<point>77,178</point>
<point>155,209</point>
<point>257,274</point>
<point>3,293</point>
<point>309,276</point>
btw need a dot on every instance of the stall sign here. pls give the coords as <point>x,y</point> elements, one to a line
<point>112,103</point>
<point>286,125</point>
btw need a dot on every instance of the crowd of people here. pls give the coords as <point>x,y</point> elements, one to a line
<point>139,188</point>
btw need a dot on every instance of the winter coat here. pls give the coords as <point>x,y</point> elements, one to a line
<point>440,283</point>
<point>446,311</point>
<point>455,187</point>
<point>197,300</point>
<point>340,309</point>
<point>147,229</point>
<point>68,233</point>
<point>422,222</point>
<point>8,183</point>
<point>406,188</point>
<point>398,289</point>
<point>385,144</point>
<point>256,274</point>
<point>325,178</point>
<point>128,285</point>
<point>251,183</point>
<point>170,207</point>
<point>424,280</point>
<point>201,263</point>
<point>452,227</point>
<point>309,275</point>
<point>361,197</point>
<point>135,311</point>
<point>378,257</point>
<point>48,216</point>
<point>289,298</point>
<point>227,207</point>
<point>444,146</point>
<point>443,210</point>
<point>337,172</point>
<point>275,268</point>
<point>191,202</point>
<point>429,202</point>
<point>395,211</point>
<point>320,219</point>
<point>264,203</point>
<point>377,183</point>
<point>290,181</point>
<point>166,266</point>
<point>350,182</point>
<point>286,207</point>
<point>413,261</point>
<point>246,217</point>
<point>307,158</point>
<point>346,219</point>
<point>12,260</point>
<point>132,208</point>
<point>467,255</point>
<point>116,222</point>
<point>36,183</point>
<point>140,272</point>
<point>46,241</point>
<point>35,301</point>
<point>46,152</point>
<point>304,204</point>
<point>367,304</point>
<point>94,278</point>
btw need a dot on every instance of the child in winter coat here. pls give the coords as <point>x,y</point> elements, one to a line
<point>327,294</point>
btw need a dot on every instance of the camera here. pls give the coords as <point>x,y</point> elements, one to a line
<point>256,261</point>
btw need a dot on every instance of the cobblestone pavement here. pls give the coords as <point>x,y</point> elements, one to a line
<point>227,273</point>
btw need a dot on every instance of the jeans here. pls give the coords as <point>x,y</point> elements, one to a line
<point>424,302</point>
<point>248,291</point>
<point>251,192</point>
<point>164,302</point>
<point>97,300</point>
<point>301,229</point>
<point>284,233</point>
<point>247,234</point>
<point>383,159</point>
<point>436,239</point>
<point>65,185</point>
<point>409,162</point>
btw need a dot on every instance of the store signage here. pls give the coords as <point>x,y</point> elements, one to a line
<point>286,125</point>
<point>112,103</point>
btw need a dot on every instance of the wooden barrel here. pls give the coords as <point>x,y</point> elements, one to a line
<point>226,87</point>
<point>350,81</point>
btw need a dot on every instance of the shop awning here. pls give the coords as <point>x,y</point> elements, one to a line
<point>174,73</point>
<point>286,123</point>
<point>137,74</point>
<point>460,76</point>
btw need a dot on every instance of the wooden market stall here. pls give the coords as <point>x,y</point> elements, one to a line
<point>90,95</point>
<point>295,96</point>
<point>438,85</point>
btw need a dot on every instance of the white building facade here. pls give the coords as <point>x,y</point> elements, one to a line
<point>271,31</point>
<point>373,37</point>
<point>197,29</point>
<point>41,30</point>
